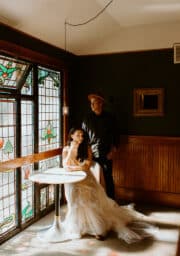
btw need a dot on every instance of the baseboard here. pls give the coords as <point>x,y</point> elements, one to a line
<point>154,197</point>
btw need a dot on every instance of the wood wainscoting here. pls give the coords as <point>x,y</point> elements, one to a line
<point>147,169</point>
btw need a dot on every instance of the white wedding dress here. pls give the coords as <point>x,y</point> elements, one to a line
<point>91,212</point>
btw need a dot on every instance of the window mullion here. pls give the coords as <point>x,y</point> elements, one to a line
<point>36,135</point>
<point>18,170</point>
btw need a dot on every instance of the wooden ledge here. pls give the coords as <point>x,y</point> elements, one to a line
<point>18,162</point>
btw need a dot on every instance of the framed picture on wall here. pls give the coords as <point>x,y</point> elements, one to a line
<point>148,102</point>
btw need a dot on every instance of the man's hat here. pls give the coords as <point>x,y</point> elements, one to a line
<point>96,95</point>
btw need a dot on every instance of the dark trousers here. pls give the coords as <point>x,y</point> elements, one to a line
<point>107,172</point>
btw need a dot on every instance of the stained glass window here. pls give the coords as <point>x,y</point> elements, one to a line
<point>49,125</point>
<point>26,128</point>
<point>27,190</point>
<point>7,151</point>
<point>49,110</point>
<point>46,197</point>
<point>7,201</point>
<point>11,72</point>
<point>27,148</point>
<point>17,126</point>
<point>43,198</point>
<point>27,86</point>
<point>7,129</point>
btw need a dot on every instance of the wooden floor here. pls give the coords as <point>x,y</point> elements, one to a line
<point>163,243</point>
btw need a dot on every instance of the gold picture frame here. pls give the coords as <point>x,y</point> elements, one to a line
<point>148,102</point>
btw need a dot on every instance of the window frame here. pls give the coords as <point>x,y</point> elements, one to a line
<point>35,59</point>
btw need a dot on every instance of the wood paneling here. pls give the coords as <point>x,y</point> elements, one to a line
<point>148,168</point>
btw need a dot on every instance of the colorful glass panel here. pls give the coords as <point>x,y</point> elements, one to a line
<point>27,187</point>
<point>7,129</point>
<point>26,128</point>
<point>49,125</point>
<point>49,110</point>
<point>27,190</point>
<point>7,201</point>
<point>11,71</point>
<point>49,133</point>
<point>7,151</point>
<point>43,74</point>
<point>27,87</point>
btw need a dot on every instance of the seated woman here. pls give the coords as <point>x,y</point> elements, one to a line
<point>90,211</point>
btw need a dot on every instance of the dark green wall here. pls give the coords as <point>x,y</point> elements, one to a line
<point>116,75</point>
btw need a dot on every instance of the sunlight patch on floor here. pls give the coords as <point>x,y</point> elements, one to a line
<point>26,243</point>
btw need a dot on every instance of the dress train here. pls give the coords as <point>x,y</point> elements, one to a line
<point>91,212</point>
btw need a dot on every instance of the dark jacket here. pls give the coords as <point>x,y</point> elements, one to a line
<point>102,133</point>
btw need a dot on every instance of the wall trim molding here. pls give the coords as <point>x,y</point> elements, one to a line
<point>155,197</point>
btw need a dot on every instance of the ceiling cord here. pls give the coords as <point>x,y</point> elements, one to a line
<point>83,23</point>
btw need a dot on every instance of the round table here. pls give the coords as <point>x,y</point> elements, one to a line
<point>56,176</point>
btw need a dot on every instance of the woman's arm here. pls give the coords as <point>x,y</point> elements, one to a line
<point>88,162</point>
<point>69,160</point>
<point>72,164</point>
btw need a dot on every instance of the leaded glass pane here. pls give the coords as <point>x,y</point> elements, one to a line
<point>49,163</point>
<point>7,201</point>
<point>49,190</point>
<point>27,137</point>
<point>43,198</point>
<point>27,190</point>
<point>11,72</point>
<point>49,109</point>
<point>7,151</point>
<point>46,197</point>
<point>49,124</point>
<point>26,128</point>
<point>51,194</point>
<point>7,129</point>
<point>27,87</point>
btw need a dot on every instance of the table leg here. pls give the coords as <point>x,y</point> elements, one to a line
<point>55,233</point>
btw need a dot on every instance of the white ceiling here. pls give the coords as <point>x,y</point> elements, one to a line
<point>126,25</point>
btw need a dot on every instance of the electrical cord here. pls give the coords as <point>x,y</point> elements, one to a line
<point>85,22</point>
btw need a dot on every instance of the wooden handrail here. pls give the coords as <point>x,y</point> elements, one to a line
<point>18,162</point>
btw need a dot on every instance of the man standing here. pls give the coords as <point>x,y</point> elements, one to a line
<point>101,128</point>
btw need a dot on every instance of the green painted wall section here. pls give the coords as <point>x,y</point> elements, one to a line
<point>116,75</point>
